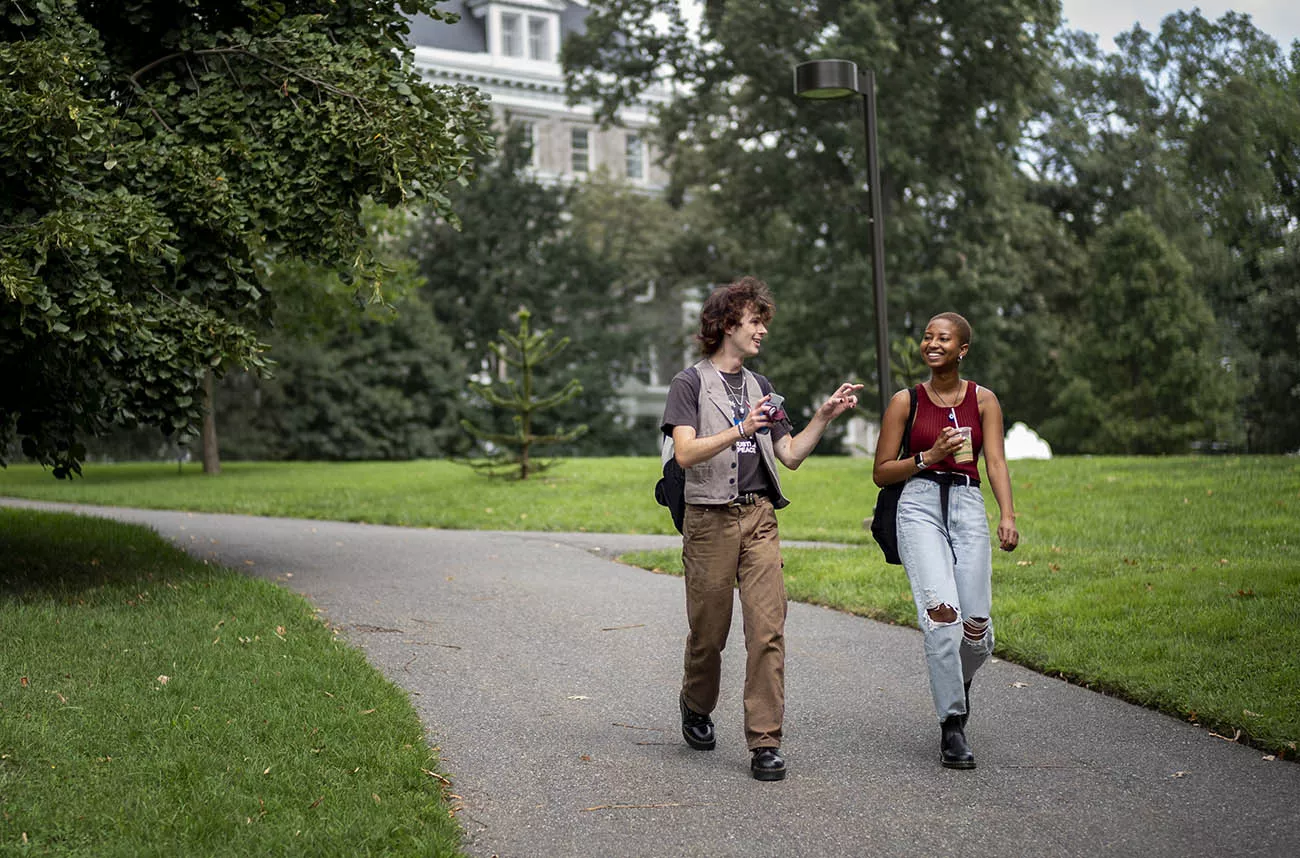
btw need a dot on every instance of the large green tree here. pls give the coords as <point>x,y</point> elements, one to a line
<point>157,155</point>
<point>1196,127</point>
<point>1144,373</point>
<point>956,82</point>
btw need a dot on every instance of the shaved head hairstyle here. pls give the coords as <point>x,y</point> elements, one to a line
<point>959,322</point>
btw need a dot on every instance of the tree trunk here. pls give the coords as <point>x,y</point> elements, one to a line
<point>211,453</point>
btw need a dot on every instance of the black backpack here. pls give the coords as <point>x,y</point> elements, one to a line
<point>670,491</point>
<point>884,519</point>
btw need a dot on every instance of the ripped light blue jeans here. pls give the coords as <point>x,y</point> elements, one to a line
<point>948,564</point>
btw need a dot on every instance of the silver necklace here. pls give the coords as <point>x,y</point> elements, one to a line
<point>736,396</point>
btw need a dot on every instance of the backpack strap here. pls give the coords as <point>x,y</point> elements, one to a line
<point>904,450</point>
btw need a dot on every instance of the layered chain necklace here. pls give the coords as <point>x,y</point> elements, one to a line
<point>735,395</point>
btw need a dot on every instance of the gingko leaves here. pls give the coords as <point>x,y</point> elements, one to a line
<point>153,168</point>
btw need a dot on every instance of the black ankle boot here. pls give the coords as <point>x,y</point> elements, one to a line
<point>697,729</point>
<point>966,717</point>
<point>954,753</point>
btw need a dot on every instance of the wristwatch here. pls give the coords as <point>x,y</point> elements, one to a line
<point>920,462</point>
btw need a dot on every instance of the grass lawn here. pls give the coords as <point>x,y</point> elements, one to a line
<point>151,705</point>
<point>604,495</point>
<point>1173,582</point>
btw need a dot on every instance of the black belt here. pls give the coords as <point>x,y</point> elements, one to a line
<point>747,499</point>
<point>949,478</point>
<point>946,480</point>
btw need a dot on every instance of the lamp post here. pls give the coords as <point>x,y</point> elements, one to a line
<point>824,80</point>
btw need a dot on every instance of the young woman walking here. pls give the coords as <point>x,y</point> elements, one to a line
<point>943,533</point>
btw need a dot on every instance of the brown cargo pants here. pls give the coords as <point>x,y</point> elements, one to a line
<point>726,546</point>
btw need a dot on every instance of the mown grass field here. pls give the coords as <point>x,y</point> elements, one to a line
<point>1173,582</point>
<point>151,705</point>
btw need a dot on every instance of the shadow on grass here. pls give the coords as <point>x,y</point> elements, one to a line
<point>75,558</point>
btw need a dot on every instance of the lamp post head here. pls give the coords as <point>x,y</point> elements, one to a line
<point>826,79</point>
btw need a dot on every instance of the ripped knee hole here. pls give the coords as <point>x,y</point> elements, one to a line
<point>943,613</point>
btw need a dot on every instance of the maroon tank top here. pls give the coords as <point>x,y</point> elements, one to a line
<point>930,420</point>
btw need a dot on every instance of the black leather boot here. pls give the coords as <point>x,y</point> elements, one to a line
<point>954,753</point>
<point>697,729</point>
<point>766,764</point>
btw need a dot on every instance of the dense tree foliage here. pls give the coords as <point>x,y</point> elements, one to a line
<point>957,80</point>
<point>349,383</point>
<point>156,155</point>
<point>1120,228</point>
<point>528,245</point>
<point>1143,373</point>
<point>1031,182</point>
<point>1198,128</point>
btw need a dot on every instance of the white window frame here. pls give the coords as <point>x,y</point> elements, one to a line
<point>575,149</point>
<point>539,38</point>
<point>512,36</point>
<point>634,155</point>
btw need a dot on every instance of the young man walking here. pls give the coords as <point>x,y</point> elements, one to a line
<point>728,436</point>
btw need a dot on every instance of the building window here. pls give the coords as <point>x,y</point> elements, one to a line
<point>635,157</point>
<point>539,47</point>
<point>580,157</point>
<point>511,38</point>
<point>529,135</point>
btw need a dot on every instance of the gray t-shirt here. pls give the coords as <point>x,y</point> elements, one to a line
<point>683,410</point>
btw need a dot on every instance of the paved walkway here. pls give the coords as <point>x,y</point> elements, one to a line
<point>548,674</point>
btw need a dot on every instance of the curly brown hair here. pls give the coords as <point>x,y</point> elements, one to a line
<point>725,308</point>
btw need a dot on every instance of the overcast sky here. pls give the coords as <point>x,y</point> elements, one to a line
<point>1108,18</point>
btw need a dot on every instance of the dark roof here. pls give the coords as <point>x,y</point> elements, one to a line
<point>469,34</point>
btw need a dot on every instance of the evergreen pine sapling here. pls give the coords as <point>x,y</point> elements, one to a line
<point>524,352</point>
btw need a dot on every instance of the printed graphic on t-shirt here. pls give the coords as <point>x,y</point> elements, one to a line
<point>739,411</point>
